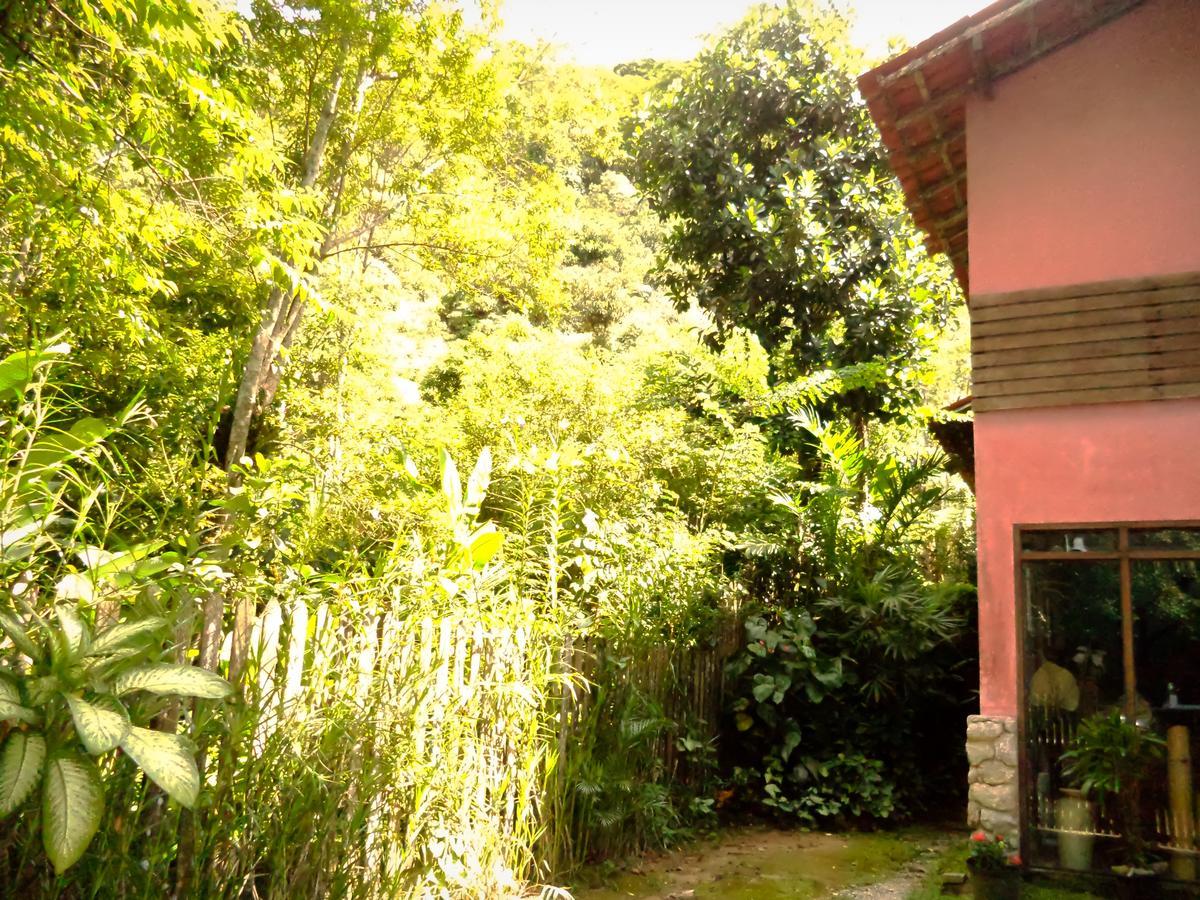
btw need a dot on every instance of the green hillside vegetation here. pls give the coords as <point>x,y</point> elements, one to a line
<point>406,434</point>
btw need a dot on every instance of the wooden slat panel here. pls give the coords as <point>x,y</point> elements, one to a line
<point>1135,362</point>
<point>1085,303</point>
<point>1091,333</point>
<point>1128,311</point>
<point>1098,343</point>
<point>1121,286</point>
<point>1097,395</point>
<point>1088,381</point>
<point>1089,350</point>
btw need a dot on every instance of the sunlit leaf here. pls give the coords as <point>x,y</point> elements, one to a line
<point>73,630</point>
<point>485,544</point>
<point>167,760</point>
<point>16,632</point>
<point>20,767</point>
<point>120,636</point>
<point>15,712</point>
<point>75,586</point>
<point>99,729</point>
<point>17,370</point>
<point>72,803</point>
<point>481,476</point>
<point>451,486</point>
<point>167,679</point>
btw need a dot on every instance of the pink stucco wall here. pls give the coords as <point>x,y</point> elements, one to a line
<point>1083,167</point>
<point>1107,462</point>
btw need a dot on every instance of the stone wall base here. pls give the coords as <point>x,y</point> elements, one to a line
<point>993,801</point>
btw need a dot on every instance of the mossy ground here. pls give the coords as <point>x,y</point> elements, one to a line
<point>762,864</point>
<point>766,864</point>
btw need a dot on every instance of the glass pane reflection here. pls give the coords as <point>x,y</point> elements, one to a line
<point>1076,540</point>
<point>1165,538</point>
<point>1073,669</point>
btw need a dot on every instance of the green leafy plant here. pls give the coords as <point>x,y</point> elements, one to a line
<point>1109,759</point>
<point>990,853</point>
<point>858,638</point>
<point>76,698</point>
<point>77,678</point>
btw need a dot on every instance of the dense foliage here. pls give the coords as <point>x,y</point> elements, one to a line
<point>783,217</point>
<point>840,686</point>
<point>374,519</point>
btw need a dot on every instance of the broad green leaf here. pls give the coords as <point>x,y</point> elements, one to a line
<point>41,690</point>
<point>763,690</point>
<point>16,632</point>
<point>167,760</point>
<point>185,681</point>
<point>484,545</point>
<point>8,691</point>
<point>150,566</point>
<point>102,564</point>
<point>791,741</point>
<point>72,803</point>
<point>15,712</point>
<point>744,722</point>
<point>24,534</point>
<point>50,452</point>
<point>75,637</point>
<point>830,677</point>
<point>16,371</point>
<point>451,486</point>
<point>122,635</point>
<point>100,729</point>
<point>480,479</point>
<point>20,765</point>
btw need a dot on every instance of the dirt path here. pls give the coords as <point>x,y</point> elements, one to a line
<point>763,864</point>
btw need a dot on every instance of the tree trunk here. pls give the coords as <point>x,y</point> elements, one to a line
<point>276,323</point>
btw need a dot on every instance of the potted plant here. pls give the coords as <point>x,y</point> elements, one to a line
<point>995,869</point>
<point>1109,759</point>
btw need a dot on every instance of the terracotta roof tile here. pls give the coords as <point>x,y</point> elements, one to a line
<point>918,99</point>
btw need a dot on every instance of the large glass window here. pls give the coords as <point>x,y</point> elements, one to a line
<point>1111,623</point>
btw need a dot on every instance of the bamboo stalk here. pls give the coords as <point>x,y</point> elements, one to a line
<point>1179,774</point>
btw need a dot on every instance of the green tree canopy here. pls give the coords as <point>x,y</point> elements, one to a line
<point>784,217</point>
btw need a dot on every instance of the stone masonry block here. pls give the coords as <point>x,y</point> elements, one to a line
<point>996,797</point>
<point>983,728</point>
<point>1003,824</point>
<point>978,751</point>
<point>1006,749</point>
<point>992,771</point>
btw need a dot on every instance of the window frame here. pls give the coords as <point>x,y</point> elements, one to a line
<point>1124,555</point>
